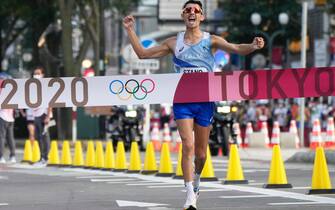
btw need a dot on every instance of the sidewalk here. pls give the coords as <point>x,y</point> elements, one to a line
<point>303,155</point>
<point>265,154</point>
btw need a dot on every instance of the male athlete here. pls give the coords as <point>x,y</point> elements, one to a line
<point>192,50</point>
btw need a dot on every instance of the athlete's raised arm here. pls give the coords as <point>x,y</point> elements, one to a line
<point>161,50</point>
<point>242,49</point>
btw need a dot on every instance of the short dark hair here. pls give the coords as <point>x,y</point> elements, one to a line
<point>193,2</point>
<point>40,68</point>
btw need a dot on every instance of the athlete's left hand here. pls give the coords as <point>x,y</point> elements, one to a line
<point>258,43</point>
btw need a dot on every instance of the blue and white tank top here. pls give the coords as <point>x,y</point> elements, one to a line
<point>193,58</point>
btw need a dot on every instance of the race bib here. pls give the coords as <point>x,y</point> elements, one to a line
<point>193,69</point>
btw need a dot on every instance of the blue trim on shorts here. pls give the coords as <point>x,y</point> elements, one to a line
<point>202,113</point>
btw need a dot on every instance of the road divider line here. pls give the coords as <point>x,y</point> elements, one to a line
<point>97,177</point>
<point>148,183</point>
<point>301,188</point>
<point>247,189</point>
<point>4,204</point>
<point>111,180</point>
<point>210,190</point>
<point>256,184</point>
<point>247,196</point>
<point>166,186</point>
<point>294,203</point>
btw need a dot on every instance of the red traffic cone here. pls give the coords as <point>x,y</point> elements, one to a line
<point>293,129</point>
<point>166,133</point>
<point>178,144</point>
<point>248,133</point>
<point>275,137</point>
<point>264,130</point>
<point>236,128</point>
<point>316,139</point>
<point>330,137</point>
<point>155,138</point>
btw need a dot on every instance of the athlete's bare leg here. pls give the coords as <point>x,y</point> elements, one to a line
<point>185,128</point>
<point>201,136</point>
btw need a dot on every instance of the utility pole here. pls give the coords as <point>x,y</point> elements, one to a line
<point>102,68</point>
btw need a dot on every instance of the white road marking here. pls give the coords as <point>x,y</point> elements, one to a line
<point>122,203</point>
<point>4,204</point>
<point>111,180</point>
<point>220,169</point>
<point>254,170</point>
<point>246,189</point>
<point>123,182</point>
<point>96,177</point>
<point>256,183</point>
<point>210,190</point>
<point>293,203</point>
<point>148,183</point>
<point>247,196</point>
<point>301,188</point>
<point>166,186</point>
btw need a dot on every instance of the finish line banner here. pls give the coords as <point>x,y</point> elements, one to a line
<point>166,88</point>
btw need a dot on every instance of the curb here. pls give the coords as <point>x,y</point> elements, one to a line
<point>308,157</point>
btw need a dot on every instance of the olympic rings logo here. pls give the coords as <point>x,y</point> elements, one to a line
<point>139,90</point>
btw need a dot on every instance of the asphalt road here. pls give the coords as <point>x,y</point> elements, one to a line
<point>30,187</point>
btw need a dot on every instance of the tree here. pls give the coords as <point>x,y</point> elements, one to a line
<point>237,17</point>
<point>120,10</point>
<point>20,17</point>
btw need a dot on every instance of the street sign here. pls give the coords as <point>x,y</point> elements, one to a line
<point>130,57</point>
<point>151,64</point>
<point>320,53</point>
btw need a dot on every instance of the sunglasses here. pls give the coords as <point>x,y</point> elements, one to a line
<point>188,10</point>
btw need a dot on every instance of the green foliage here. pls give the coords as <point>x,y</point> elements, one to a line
<point>124,6</point>
<point>18,15</point>
<point>237,15</point>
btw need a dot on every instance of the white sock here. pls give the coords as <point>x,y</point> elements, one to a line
<point>188,186</point>
<point>190,196</point>
<point>196,181</point>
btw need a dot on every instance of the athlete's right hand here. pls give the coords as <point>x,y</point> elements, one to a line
<point>128,22</point>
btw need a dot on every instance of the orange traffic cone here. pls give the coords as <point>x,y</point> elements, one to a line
<point>316,139</point>
<point>220,153</point>
<point>237,130</point>
<point>167,134</point>
<point>264,130</point>
<point>294,130</point>
<point>155,138</point>
<point>178,144</point>
<point>248,133</point>
<point>275,137</point>
<point>330,137</point>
